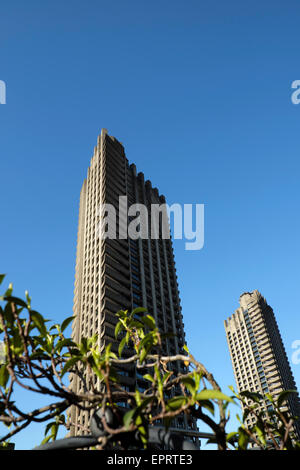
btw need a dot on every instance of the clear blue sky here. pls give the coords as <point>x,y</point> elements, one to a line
<point>200,95</point>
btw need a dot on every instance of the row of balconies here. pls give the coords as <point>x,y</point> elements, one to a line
<point>115,264</point>
<point>115,165</point>
<point>117,276</point>
<point>116,255</point>
<point>115,177</point>
<point>114,147</point>
<point>123,301</point>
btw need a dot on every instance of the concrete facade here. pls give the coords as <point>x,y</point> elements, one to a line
<point>123,273</point>
<point>257,352</point>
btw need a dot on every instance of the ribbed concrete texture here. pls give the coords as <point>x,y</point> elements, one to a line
<point>121,273</point>
<point>257,352</point>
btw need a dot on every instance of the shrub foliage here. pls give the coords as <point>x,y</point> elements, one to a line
<point>38,356</point>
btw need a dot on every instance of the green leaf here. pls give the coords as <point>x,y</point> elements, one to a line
<point>92,341</point>
<point>2,276</point>
<point>8,315</point>
<point>128,417</point>
<point>53,428</point>
<point>138,310</point>
<point>143,431</point>
<point>137,397</point>
<point>243,439</point>
<point>70,363</point>
<point>256,397</point>
<point>38,355</point>
<point>122,314</point>
<point>158,378</point>
<point>144,354</point>
<point>28,298</point>
<point>9,291</point>
<point>246,414</point>
<point>47,439</point>
<point>166,376</point>
<point>48,427</point>
<point>119,327</point>
<point>16,301</point>
<point>149,377</point>
<point>55,327</point>
<point>145,346</point>
<point>17,344</point>
<point>39,322</point>
<point>260,432</point>
<point>145,403</point>
<point>4,375</point>
<point>107,352</point>
<point>190,384</point>
<point>135,324</point>
<point>2,352</point>
<point>83,345</point>
<point>64,342</point>
<point>269,397</point>
<point>197,377</point>
<point>145,351</point>
<point>283,396</point>
<point>149,321</point>
<point>213,395</point>
<point>186,349</point>
<point>66,322</point>
<point>122,345</point>
<point>208,405</point>
<point>230,436</point>
<point>147,339</point>
<point>176,402</point>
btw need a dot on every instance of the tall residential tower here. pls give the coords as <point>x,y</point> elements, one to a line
<point>121,273</point>
<point>257,352</point>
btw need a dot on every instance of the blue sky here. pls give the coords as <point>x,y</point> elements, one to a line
<point>200,95</point>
